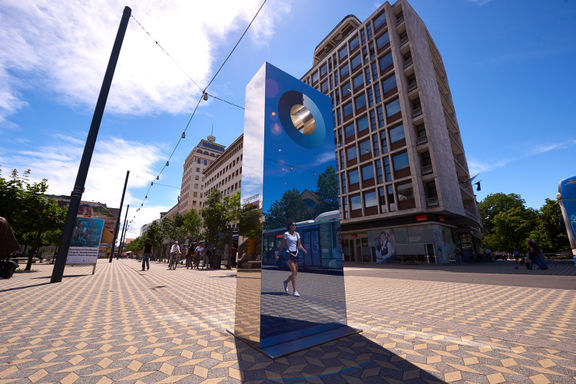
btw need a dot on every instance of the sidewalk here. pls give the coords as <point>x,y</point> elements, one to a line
<point>158,326</point>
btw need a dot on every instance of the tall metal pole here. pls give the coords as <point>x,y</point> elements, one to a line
<point>118,221</point>
<point>76,195</point>
<point>123,230</point>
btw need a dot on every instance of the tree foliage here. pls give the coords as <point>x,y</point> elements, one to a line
<point>290,208</point>
<point>36,219</point>
<point>328,190</point>
<point>508,223</point>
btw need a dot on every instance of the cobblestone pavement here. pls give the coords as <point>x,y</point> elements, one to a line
<point>124,325</point>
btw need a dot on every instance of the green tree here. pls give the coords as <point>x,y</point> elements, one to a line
<point>290,208</point>
<point>496,203</point>
<point>328,190</point>
<point>511,228</point>
<point>215,215</point>
<point>30,213</point>
<point>551,231</point>
<point>192,224</point>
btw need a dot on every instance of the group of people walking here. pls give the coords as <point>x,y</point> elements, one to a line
<point>196,257</point>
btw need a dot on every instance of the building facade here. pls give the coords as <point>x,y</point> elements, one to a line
<point>405,187</point>
<point>225,173</point>
<point>201,157</point>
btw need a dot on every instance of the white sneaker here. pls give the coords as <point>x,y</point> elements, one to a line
<point>296,294</point>
<point>285,285</point>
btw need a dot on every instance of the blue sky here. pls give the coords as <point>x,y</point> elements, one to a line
<point>510,66</point>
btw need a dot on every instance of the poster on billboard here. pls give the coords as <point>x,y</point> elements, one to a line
<point>85,241</point>
<point>384,245</point>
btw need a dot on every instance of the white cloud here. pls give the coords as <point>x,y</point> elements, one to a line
<point>112,157</point>
<point>551,147</point>
<point>63,48</point>
<point>479,2</point>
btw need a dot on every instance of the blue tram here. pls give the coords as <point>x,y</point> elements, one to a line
<point>320,237</point>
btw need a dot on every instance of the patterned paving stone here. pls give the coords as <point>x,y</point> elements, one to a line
<point>123,325</point>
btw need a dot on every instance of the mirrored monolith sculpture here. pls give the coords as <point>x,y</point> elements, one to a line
<point>567,200</point>
<point>288,175</point>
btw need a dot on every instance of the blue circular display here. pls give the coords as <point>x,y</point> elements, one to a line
<point>285,104</point>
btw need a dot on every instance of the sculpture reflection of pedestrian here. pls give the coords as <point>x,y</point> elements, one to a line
<point>291,243</point>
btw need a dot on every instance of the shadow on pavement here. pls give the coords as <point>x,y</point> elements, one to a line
<point>350,359</point>
<point>24,287</point>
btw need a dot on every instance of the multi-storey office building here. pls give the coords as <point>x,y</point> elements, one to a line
<point>191,190</point>
<point>404,180</point>
<point>225,173</point>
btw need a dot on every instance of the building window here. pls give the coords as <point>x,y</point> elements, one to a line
<point>375,144</point>
<point>431,194</point>
<point>351,153</point>
<point>349,129</point>
<point>373,120</point>
<point>383,142</point>
<point>367,172</point>
<point>342,160</point>
<point>197,169</point>
<point>360,102</point>
<point>380,117</point>
<point>396,134</point>
<point>370,200</point>
<point>344,71</point>
<point>400,161</point>
<point>353,177</point>
<point>355,202</point>
<point>382,41</point>
<point>356,61</point>
<point>345,207</point>
<point>405,194</point>
<point>380,21</point>
<point>387,174</point>
<point>358,81</point>
<point>199,160</point>
<point>382,199</point>
<point>314,77</point>
<point>343,182</point>
<point>354,43</point>
<point>390,197</point>
<point>370,97</point>
<point>389,84</point>
<point>345,89</point>
<point>324,86</point>
<point>205,162</point>
<point>378,171</point>
<point>377,91</point>
<point>362,124</point>
<point>392,107</point>
<point>364,147</point>
<point>323,69</point>
<point>385,62</point>
<point>343,53</point>
<point>347,109</point>
<point>426,163</point>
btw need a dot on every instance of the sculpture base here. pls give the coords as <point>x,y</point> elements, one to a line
<point>295,345</point>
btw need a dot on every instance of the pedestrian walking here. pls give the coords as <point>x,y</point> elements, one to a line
<point>188,257</point>
<point>291,243</point>
<point>147,251</point>
<point>201,254</point>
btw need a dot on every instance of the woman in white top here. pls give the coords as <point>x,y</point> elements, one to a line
<point>291,243</point>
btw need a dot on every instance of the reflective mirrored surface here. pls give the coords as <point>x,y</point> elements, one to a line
<point>290,167</point>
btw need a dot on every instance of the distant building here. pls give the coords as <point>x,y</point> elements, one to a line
<point>402,169</point>
<point>225,173</point>
<point>96,210</point>
<point>191,191</point>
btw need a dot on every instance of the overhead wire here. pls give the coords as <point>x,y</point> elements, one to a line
<point>204,93</point>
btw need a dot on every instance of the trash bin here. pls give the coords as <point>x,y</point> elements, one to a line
<point>8,267</point>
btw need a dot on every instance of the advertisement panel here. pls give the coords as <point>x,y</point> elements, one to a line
<point>85,241</point>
